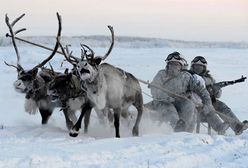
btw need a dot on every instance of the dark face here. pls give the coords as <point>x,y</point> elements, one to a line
<point>25,79</point>
<point>60,87</point>
<point>48,75</point>
<point>88,69</point>
<point>198,69</point>
<point>173,68</point>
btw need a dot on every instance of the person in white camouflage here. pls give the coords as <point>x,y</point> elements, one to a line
<point>199,66</point>
<point>181,112</point>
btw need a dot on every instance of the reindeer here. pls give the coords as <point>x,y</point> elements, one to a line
<point>107,87</point>
<point>32,83</point>
<point>65,88</point>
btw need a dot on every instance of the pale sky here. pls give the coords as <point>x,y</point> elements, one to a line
<point>198,20</point>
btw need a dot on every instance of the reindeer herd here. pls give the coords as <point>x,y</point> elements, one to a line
<point>89,85</point>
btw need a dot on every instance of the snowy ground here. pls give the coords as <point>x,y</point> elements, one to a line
<point>24,142</point>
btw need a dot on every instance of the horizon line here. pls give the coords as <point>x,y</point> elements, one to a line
<point>141,37</point>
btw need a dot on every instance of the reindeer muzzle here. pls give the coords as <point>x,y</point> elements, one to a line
<point>82,71</point>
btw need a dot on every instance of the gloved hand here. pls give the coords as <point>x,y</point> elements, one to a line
<point>206,109</point>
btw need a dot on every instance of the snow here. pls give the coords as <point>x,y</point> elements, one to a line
<point>24,142</point>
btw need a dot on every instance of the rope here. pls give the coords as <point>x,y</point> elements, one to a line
<point>231,120</point>
<point>163,89</point>
<point>142,81</point>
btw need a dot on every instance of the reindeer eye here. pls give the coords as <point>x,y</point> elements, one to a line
<point>85,64</point>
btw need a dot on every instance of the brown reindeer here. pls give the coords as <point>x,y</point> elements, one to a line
<point>65,88</point>
<point>32,83</point>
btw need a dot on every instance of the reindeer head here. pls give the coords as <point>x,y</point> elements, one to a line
<point>25,78</point>
<point>88,66</point>
<point>88,69</point>
<point>63,87</point>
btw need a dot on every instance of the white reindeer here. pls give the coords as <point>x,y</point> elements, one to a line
<point>107,87</point>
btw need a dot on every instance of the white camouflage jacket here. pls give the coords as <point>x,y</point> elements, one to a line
<point>183,84</point>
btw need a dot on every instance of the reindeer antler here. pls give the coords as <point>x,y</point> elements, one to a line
<point>12,35</point>
<point>74,60</point>
<point>83,53</point>
<point>112,43</point>
<point>51,67</point>
<point>88,56</point>
<point>56,45</point>
<point>92,53</point>
<point>18,68</point>
<point>67,54</point>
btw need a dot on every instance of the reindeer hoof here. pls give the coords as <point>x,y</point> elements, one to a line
<point>73,134</point>
<point>135,131</point>
<point>43,122</point>
<point>85,131</point>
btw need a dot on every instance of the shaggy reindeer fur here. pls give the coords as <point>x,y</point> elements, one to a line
<point>65,89</point>
<point>112,88</point>
<point>29,81</point>
<point>107,87</point>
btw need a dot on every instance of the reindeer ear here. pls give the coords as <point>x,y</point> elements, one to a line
<point>69,76</point>
<point>66,71</point>
<point>97,60</point>
<point>34,72</point>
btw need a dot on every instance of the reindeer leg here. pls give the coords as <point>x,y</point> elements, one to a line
<point>69,123</point>
<point>45,115</point>
<point>75,129</point>
<point>139,106</point>
<point>87,120</point>
<point>117,112</point>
